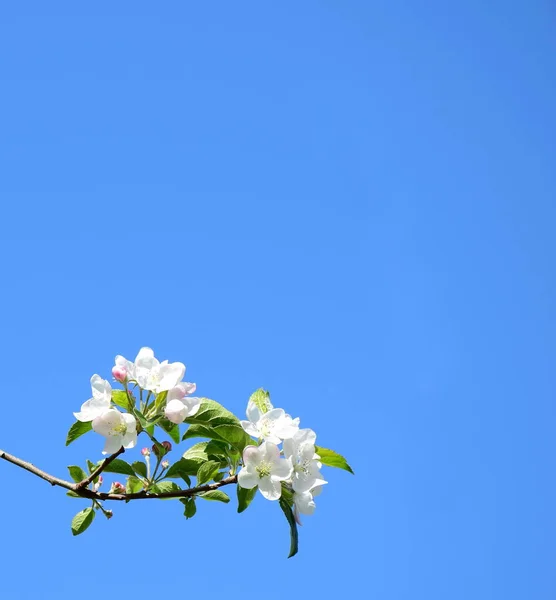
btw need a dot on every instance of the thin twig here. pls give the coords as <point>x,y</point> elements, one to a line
<point>98,470</point>
<point>81,490</point>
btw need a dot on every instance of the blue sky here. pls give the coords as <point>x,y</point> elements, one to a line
<point>351,204</point>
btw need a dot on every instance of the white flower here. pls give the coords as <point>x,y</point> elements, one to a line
<point>151,374</point>
<point>300,449</point>
<point>99,403</point>
<point>304,502</point>
<point>118,429</point>
<point>179,405</point>
<point>264,468</point>
<point>272,426</point>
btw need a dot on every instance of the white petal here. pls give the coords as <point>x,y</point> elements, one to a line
<point>92,409</point>
<point>101,388</point>
<point>286,427</point>
<point>192,404</point>
<point>130,439</point>
<point>145,359</point>
<point>290,449</point>
<point>282,469</point>
<point>270,489</point>
<point>253,412</point>
<point>170,375</point>
<point>306,452</point>
<point>250,428</point>
<point>175,411</point>
<point>304,503</point>
<point>275,415</point>
<point>305,436</point>
<point>130,422</point>
<point>271,451</point>
<point>107,422</point>
<point>252,455</point>
<point>247,479</point>
<point>113,444</point>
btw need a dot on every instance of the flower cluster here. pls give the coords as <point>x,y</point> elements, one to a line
<point>267,467</point>
<point>149,376</point>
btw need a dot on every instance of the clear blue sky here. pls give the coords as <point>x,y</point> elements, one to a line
<point>350,203</point>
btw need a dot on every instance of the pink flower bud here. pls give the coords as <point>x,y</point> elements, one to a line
<point>117,488</point>
<point>119,373</point>
<point>145,452</point>
<point>165,464</point>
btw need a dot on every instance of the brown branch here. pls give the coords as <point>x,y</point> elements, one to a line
<point>81,490</point>
<point>83,484</point>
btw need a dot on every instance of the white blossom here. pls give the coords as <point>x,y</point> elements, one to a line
<point>99,403</point>
<point>304,502</point>
<point>179,405</point>
<point>149,373</point>
<point>300,449</point>
<point>119,429</point>
<point>272,426</point>
<point>263,467</point>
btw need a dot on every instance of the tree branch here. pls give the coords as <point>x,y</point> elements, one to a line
<point>81,488</point>
<point>98,470</point>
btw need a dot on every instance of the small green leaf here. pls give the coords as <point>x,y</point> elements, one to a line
<point>207,471</point>
<point>171,429</point>
<point>160,400</point>
<point>140,468</point>
<point>184,467</point>
<point>333,459</point>
<point>76,473</point>
<point>119,466</point>
<point>73,495</point>
<point>244,497</point>
<point>121,399</point>
<point>190,508</point>
<point>77,430</point>
<point>286,508</point>
<point>162,487</point>
<point>133,485</point>
<point>215,495</point>
<point>261,399</point>
<point>82,520</point>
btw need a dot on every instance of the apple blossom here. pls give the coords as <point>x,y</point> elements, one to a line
<point>99,403</point>
<point>304,502</point>
<point>179,405</point>
<point>272,426</point>
<point>119,373</point>
<point>119,429</point>
<point>263,467</point>
<point>153,375</point>
<point>300,449</point>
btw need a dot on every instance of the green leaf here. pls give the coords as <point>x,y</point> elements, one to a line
<point>140,468</point>
<point>73,495</point>
<point>82,520</point>
<point>121,399</point>
<point>190,508</point>
<point>76,473</point>
<point>171,429</point>
<point>231,433</point>
<point>119,466</point>
<point>133,485</point>
<point>244,497</point>
<point>160,400</point>
<point>261,399</point>
<point>207,471</point>
<point>333,459</point>
<point>77,430</point>
<point>204,451</point>
<point>183,468</point>
<point>163,487</point>
<point>215,495</point>
<point>286,508</point>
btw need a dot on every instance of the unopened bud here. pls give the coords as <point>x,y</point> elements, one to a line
<point>117,488</point>
<point>108,514</point>
<point>166,445</point>
<point>119,373</point>
<point>97,485</point>
<point>145,452</point>
<point>165,464</point>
